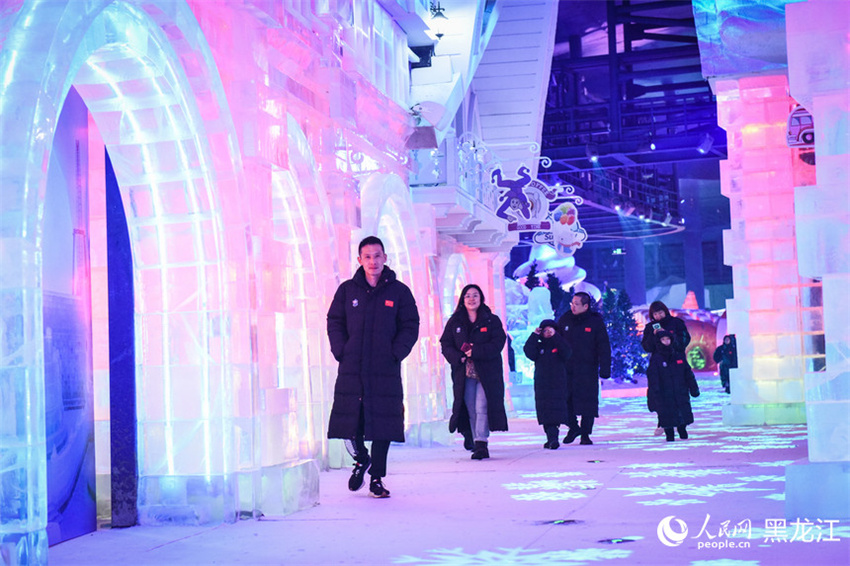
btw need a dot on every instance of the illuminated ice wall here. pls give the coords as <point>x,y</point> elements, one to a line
<point>789,238</point>
<point>819,76</point>
<point>775,311</point>
<point>253,144</point>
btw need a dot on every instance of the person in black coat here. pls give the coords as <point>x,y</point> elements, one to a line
<point>584,330</point>
<point>726,357</point>
<point>549,352</point>
<point>373,324</point>
<point>670,384</point>
<point>472,343</point>
<point>661,319</point>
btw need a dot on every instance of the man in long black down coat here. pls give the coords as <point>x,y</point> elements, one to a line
<point>587,336</point>
<point>373,324</point>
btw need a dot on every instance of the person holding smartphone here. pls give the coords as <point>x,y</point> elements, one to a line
<point>660,320</point>
<point>472,343</point>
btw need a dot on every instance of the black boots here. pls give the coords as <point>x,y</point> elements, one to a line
<point>572,434</point>
<point>468,444</point>
<point>682,430</point>
<point>480,452</point>
<point>551,432</point>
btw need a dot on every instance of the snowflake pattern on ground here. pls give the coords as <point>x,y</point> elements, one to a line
<point>553,474</point>
<point>776,464</point>
<point>668,488</point>
<point>671,502</point>
<point>762,478</point>
<point>726,562</point>
<point>680,473</point>
<point>658,465</point>
<point>548,496</point>
<point>516,556</point>
<point>552,485</point>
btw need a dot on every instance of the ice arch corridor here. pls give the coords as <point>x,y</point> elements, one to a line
<point>198,392</point>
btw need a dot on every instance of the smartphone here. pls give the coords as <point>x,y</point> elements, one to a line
<point>465,346</point>
<point>657,326</point>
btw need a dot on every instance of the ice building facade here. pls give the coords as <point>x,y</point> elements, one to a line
<point>184,185</point>
<point>789,238</point>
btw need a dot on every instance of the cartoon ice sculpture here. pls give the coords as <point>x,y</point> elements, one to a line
<point>566,230</point>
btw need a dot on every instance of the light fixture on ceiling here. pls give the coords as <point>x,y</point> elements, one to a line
<point>647,145</point>
<point>592,152</point>
<point>705,144</point>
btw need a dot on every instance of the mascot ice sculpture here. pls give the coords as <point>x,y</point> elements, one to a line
<point>567,233</point>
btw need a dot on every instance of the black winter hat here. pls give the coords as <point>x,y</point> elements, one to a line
<point>549,322</point>
<point>661,334</point>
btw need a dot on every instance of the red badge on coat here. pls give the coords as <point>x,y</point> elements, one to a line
<point>680,362</point>
<point>554,350</point>
<point>483,329</point>
<point>388,303</point>
<point>587,329</point>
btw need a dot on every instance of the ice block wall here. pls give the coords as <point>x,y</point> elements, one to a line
<point>819,73</point>
<point>241,136</point>
<point>773,313</point>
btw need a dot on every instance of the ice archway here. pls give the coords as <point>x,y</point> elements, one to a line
<point>302,223</point>
<point>388,212</point>
<point>146,75</point>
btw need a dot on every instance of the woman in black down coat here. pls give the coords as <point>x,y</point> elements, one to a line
<point>670,384</point>
<point>472,343</point>
<point>549,352</point>
<point>661,319</point>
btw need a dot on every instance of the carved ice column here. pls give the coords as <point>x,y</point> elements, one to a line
<point>771,298</point>
<point>819,75</point>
